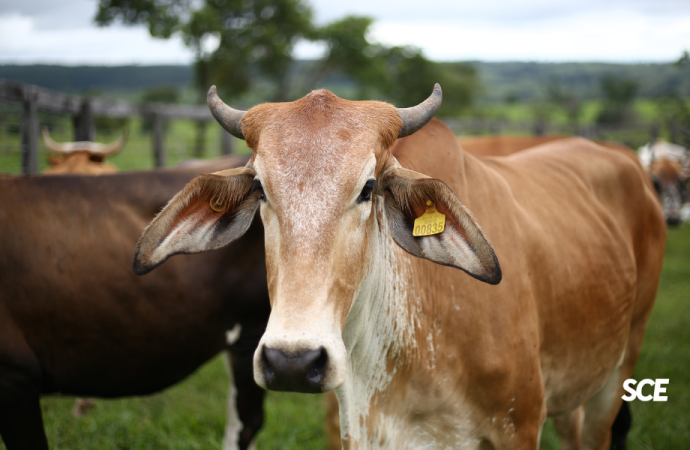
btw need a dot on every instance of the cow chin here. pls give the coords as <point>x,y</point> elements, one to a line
<point>289,361</point>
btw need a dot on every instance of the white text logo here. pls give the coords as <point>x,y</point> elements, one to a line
<point>637,393</point>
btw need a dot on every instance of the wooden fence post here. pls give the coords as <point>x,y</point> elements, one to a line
<point>227,143</point>
<point>83,123</point>
<point>29,133</point>
<point>159,157</point>
<point>200,144</point>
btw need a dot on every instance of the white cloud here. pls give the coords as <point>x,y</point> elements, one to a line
<point>22,42</point>
<point>543,30</point>
<point>622,37</point>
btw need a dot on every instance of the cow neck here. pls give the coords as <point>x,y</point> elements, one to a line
<point>378,335</point>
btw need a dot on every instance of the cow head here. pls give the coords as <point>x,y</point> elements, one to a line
<point>665,164</point>
<point>83,157</point>
<point>332,199</point>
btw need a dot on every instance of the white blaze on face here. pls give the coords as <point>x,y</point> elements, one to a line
<point>315,247</point>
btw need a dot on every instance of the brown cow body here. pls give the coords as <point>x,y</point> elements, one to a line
<point>503,145</point>
<point>421,355</point>
<point>75,320</point>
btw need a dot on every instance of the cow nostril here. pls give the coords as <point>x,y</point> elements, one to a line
<point>269,374</point>
<point>301,371</point>
<point>317,370</point>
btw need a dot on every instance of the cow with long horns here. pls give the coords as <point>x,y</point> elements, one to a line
<point>363,240</point>
<point>83,157</point>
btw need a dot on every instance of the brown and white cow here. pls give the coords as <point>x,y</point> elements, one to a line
<point>667,165</point>
<point>83,157</point>
<point>421,354</point>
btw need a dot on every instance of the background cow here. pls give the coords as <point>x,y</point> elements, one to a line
<point>667,165</point>
<point>75,320</point>
<point>81,157</point>
<point>420,354</point>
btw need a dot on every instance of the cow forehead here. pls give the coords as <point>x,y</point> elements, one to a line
<point>666,169</point>
<point>318,145</point>
<point>320,131</point>
<point>311,155</point>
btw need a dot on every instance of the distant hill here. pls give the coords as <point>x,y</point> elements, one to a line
<point>83,79</point>
<point>523,81</point>
<point>529,80</point>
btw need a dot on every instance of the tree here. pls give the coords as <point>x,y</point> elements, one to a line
<point>618,98</point>
<point>401,75</point>
<point>565,100</point>
<point>256,37</point>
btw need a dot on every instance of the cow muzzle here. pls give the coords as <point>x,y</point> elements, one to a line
<point>311,365</point>
<point>302,371</point>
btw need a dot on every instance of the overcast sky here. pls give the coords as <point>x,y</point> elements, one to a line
<point>61,31</point>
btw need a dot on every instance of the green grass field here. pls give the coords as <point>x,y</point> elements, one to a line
<point>191,415</point>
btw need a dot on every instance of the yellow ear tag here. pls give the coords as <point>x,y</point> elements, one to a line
<point>429,223</point>
<point>217,204</point>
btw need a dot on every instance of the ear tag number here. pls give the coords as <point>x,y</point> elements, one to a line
<point>429,223</point>
<point>217,204</point>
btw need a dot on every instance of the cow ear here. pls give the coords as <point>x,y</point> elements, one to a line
<point>210,212</point>
<point>461,244</point>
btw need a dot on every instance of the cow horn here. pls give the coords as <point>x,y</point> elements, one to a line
<point>51,144</point>
<point>84,146</point>
<point>416,117</point>
<point>227,117</point>
<point>113,147</point>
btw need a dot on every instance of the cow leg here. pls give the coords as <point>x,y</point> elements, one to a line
<point>233,425</point>
<point>569,428</point>
<point>332,421</point>
<point>21,423</point>
<point>600,412</point>
<point>621,427</point>
<point>246,409</point>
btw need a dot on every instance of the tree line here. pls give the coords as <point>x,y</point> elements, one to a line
<point>242,44</point>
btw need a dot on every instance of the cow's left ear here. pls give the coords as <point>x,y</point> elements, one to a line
<point>461,244</point>
<point>210,212</point>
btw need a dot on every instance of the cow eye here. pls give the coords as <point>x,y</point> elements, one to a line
<point>258,187</point>
<point>365,195</point>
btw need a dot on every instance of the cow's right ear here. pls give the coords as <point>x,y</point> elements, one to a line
<point>210,212</point>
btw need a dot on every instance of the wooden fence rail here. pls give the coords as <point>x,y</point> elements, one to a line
<point>83,110</point>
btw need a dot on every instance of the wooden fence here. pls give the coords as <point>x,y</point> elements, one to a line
<point>83,110</point>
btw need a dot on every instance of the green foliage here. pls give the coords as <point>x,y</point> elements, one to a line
<point>401,75</point>
<point>583,80</point>
<point>158,94</point>
<point>161,94</point>
<point>163,17</point>
<point>351,53</point>
<point>256,36</point>
<point>619,95</point>
<point>256,41</point>
<point>674,116</point>
<point>111,125</point>
<point>566,100</point>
